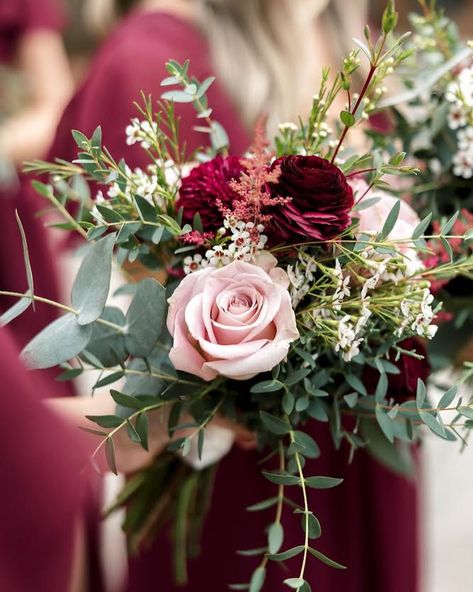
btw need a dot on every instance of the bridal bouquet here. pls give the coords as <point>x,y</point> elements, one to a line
<point>298,290</point>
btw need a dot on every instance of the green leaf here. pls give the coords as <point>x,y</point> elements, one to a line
<point>366,203</point>
<point>445,229</point>
<point>287,403</point>
<point>275,424</point>
<point>109,215</point>
<point>275,537</point>
<point>110,379</point>
<point>16,310</point>
<point>351,399</point>
<point>421,393</point>
<point>297,376</point>
<point>307,445</point>
<point>69,374</point>
<point>178,96</point>
<point>466,411</point>
<point>96,139</point>
<point>356,383</point>
<point>127,400</point>
<point>264,505</point>
<point>281,478</point>
<point>314,528</point>
<point>385,423</point>
<point>92,284</point>
<point>110,455</point>
<point>132,433</point>
<point>289,554</point>
<point>294,583</point>
<point>448,397</point>
<point>80,139</point>
<point>204,86</point>
<point>107,344</point>
<point>321,557</point>
<point>26,257</point>
<point>447,246</point>
<point>322,482</point>
<point>145,317</point>
<point>141,426</point>
<point>420,229</point>
<point>252,552</point>
<point>257,579</point>
<point>146,211</point>
<point>306,356</point>
<point>60,341</point>
<point>381,388</point>
<point>390,221</point>
<point>266,386</point>
<point>433,423</point>
<point>218,137</point>
<point>347,118</point>
<point>106,421</point>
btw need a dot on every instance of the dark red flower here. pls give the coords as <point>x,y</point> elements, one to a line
<point>402,386</point>
<point>204,186</point>
<point>321,199</point>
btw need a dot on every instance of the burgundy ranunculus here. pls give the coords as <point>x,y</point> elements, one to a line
<point>402,386</point>
<point>207,183</point>
<point>321,199</point>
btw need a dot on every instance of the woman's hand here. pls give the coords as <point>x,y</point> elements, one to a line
<point>130,456</point>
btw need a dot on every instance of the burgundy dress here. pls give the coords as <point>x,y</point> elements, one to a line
<point>18,17</point>
<point>44,488</point>
<point>369,523</point>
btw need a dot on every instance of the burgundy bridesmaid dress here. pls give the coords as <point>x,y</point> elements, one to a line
<point>44,489</point>
<point>17,18</point>
<point>369,523</point>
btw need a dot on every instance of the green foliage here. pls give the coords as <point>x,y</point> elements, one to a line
<point>92,283</point>
<point>60,341</point>
<point>145,318</point>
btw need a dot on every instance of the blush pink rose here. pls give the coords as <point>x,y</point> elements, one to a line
<point>372,219</point>
<point>235,321</point>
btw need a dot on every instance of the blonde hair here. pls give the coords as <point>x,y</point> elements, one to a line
<point>263,51</point>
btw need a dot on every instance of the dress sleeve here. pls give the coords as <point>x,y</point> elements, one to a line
<point>43,484</point>
<point>18,17</point>
<point>130,64</point>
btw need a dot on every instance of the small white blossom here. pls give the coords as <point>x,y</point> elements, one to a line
<point>194,263</point>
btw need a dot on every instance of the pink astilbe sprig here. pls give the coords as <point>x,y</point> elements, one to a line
<point>252,187</point>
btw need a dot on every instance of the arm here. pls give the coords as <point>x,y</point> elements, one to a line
<point>42,60</point>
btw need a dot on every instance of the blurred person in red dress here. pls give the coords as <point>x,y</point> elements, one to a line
<point>261,52</point>
<point>35,85</point>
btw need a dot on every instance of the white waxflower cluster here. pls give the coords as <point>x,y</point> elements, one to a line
<point>417,316</point>
<point>287,126</point>
<point>142,132</point>
<point>463,159</point>
<point>240,246</point>
<point>301,275</point>
<point>460,94</point>
<point>139,182</point>
<point>350,333</point>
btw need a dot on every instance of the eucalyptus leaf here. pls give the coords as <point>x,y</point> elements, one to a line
<point>16,310</point>
<point>145,317</point>
<point>92,284</point>
<point>257,579</point>
<point>60,341</point>
<point>275,424</point>
<point>322,482</point>
<point>275,537</point>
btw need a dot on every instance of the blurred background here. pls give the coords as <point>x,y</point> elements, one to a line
<point>447,476</point>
